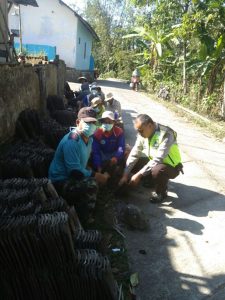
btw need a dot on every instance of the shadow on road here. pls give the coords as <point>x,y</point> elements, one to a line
<point>178,245</point>
<point>114,84</point>
<point>170,269</point>
<point>185,225</point>
<point>203,200</point>
<point>128,119</point>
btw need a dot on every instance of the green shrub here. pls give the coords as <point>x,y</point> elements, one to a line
<point>110,74</point>
<point>211,104</point>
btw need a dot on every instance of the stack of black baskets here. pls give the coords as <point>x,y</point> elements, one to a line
<point>44,251</point>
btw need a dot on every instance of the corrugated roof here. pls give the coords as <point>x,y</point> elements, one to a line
<point>85,23</point>
<point>24,2</point>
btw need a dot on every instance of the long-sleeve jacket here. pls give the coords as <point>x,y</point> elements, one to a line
<point>162,143</point>
<point>72,154</point>
<point>114,106</point>
<point>107,144</point>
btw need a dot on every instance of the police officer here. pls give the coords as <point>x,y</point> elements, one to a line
<point>155,156</point>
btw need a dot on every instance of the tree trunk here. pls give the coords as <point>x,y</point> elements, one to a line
<point>185,10</point>
<point>199,94</point>
<point>212,81</point>
<point>184,68</point>
<point>223,104</point>
<point>217,69</point>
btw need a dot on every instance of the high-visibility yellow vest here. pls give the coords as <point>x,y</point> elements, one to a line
<point>173,158</point>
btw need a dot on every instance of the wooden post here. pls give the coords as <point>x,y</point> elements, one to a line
<point>20,29</point>
<point>3,31</point>
<point>11,55</point>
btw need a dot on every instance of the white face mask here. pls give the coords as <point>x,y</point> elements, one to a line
<point>107,127</point>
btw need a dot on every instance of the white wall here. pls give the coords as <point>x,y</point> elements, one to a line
<point>84,40</point>
<point>50,24</point>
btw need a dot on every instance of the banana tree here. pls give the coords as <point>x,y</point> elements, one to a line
<point>150,42</point>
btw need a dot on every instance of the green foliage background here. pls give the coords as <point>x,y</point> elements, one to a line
<point>176,43</point>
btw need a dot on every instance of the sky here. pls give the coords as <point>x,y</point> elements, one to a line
<point>80,4</point>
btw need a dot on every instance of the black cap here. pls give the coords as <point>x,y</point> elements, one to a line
<point>87,114</point>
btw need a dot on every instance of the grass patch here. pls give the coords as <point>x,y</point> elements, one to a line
<point>215,128</point>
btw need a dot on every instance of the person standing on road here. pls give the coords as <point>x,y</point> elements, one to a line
<point>155,156</point>
<point>68,171</point>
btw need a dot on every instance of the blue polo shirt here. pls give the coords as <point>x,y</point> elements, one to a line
<point>71,154</point>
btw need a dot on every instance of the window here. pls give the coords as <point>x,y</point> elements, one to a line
<point>85,49</point>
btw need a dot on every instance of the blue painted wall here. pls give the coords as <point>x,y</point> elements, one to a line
<point>32,49</point>
<point>83,47</point>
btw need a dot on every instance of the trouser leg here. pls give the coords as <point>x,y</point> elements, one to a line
<point>142,161</point>
<point>148,181</point>
<point>80,193</point>
<point>59,187</point>
<point>161,174</point>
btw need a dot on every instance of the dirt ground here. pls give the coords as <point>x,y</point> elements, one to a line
<point>185,243</point>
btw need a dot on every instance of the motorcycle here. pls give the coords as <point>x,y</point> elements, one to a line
<point>135,85</point>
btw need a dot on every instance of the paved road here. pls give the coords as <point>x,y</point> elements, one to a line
<point>185,244</point>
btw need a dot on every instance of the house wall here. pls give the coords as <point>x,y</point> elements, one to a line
<point>50,24</point>
<point>54,24</point>
<point>26,86</point>
<point>15,96</point>
<point>3,5</point>
<point>84,46</point>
